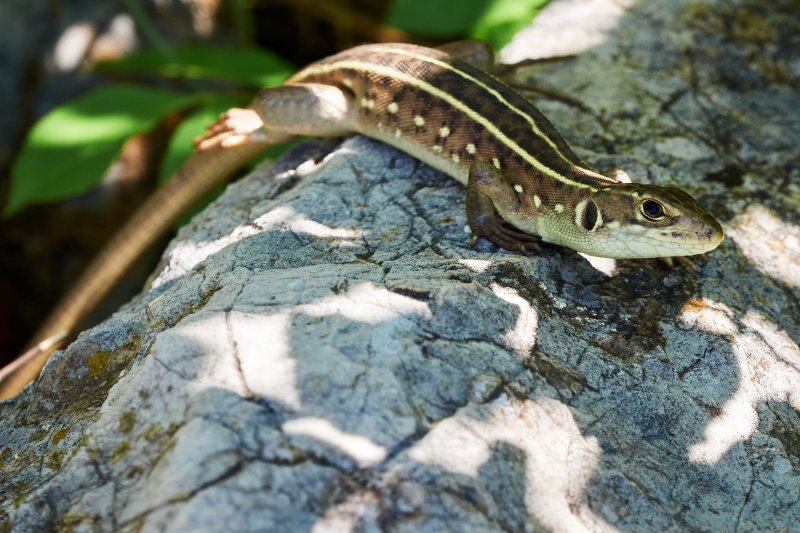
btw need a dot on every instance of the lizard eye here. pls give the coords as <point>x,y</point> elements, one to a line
<point>652,210</point>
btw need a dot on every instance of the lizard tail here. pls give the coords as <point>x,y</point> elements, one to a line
<point>196,177</point>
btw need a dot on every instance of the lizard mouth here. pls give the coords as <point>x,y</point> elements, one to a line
<point>708,234</point>
<point>698,238</point>
<point>711,236</point>
<point>715,235</point>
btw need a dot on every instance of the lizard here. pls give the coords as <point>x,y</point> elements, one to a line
<point>524,185</point>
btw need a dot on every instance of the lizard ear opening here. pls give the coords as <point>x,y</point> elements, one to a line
<point>587,215</point>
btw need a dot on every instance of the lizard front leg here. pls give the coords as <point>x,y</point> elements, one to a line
<point>486,189</point>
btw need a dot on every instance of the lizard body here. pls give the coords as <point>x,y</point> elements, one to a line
<point>524,184</point>
<point>523,180</point>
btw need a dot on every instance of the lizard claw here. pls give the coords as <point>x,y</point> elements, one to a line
<point>681,260</point>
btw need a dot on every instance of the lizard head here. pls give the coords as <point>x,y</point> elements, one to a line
<point>634,220</point>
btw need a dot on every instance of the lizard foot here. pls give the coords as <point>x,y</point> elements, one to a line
<point>505,236</point>
<point>235,127</point>
<point>683,261</point>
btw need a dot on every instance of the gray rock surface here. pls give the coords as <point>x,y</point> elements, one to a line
<point>322,351</point>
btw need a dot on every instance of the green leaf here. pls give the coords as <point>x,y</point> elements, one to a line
<point>436,17</point>
<point>250,66</point>
<point>69,150</point>
<point>495,21</point>
<point>503,19</point>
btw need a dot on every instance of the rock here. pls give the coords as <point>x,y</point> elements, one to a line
<point>321,350</point>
